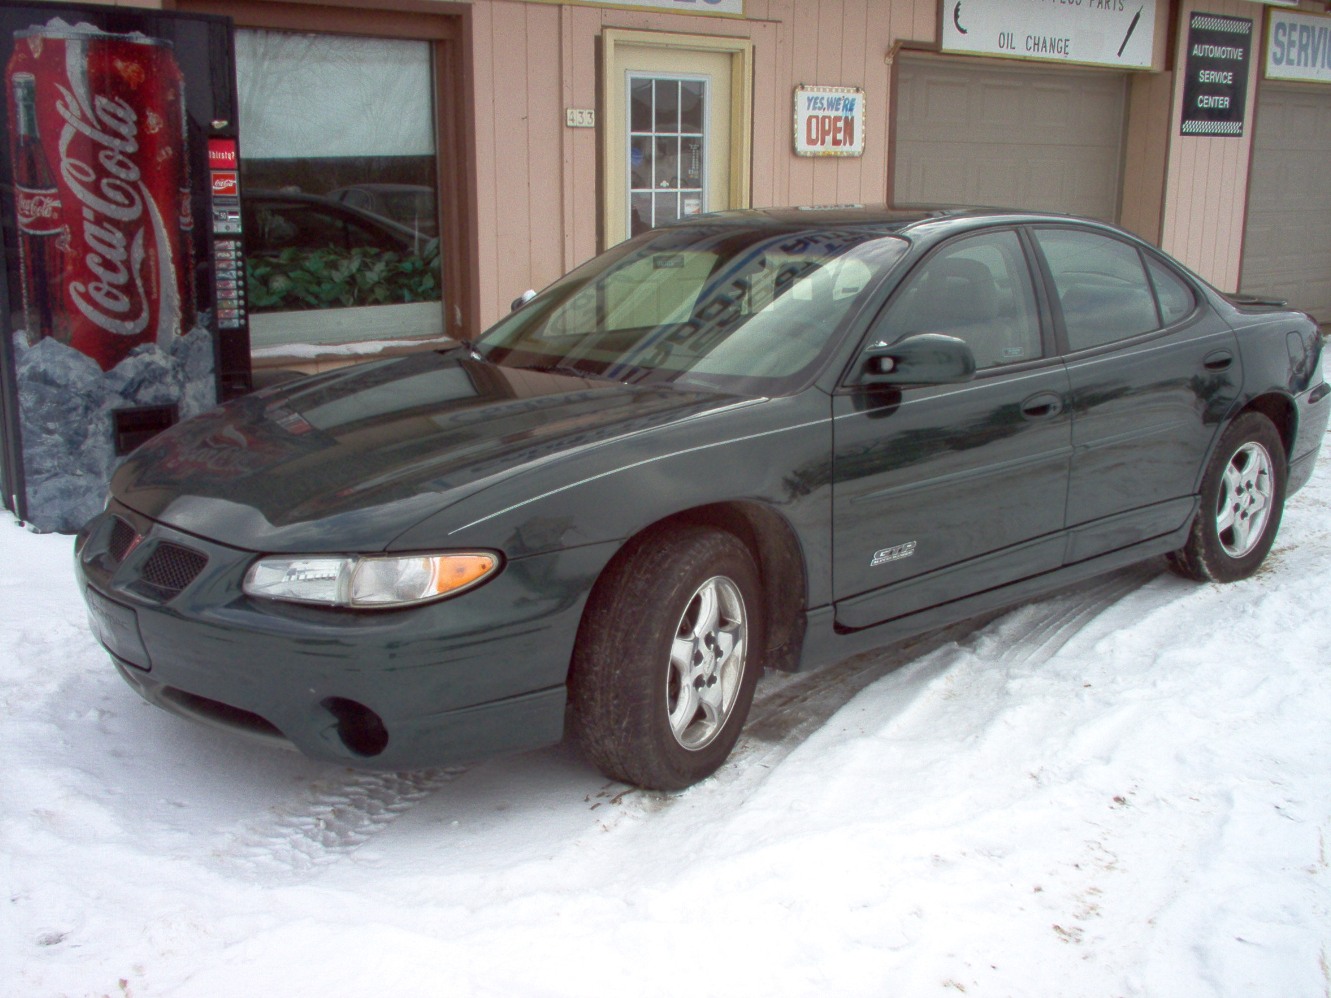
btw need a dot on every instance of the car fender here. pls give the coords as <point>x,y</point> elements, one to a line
<point>1283,362</point>
<point>772,452</point>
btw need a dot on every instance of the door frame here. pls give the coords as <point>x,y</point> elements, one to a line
<point>740,51</point>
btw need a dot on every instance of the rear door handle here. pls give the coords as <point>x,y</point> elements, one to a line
<point>1042,405</point>
<point>1218,361</point>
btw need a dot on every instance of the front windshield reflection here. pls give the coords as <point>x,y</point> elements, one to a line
<point>746,310</point>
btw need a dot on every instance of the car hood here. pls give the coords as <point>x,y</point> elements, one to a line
<point>349,460</point>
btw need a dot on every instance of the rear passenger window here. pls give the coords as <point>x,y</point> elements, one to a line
<point>1175,297</point>
<point>1102,287</point>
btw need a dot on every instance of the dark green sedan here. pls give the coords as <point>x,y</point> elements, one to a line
<point>756,440</point>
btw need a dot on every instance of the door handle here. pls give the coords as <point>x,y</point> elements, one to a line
<point>1042,405</point>
<point>1218,361</point>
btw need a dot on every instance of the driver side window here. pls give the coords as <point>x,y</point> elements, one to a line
<point>977,289</point>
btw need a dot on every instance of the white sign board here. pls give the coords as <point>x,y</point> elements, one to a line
<point>1298,47</point>
<point>734,8</point>
<point>1117,33</point>
<point>829,121</point>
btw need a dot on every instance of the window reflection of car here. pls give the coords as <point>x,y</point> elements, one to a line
<point>304,251</point>
<point>276,220</point>
<point>412,205</point>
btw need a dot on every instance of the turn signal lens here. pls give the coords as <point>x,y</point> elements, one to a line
<point>393,581</point>
<point>369,582</point>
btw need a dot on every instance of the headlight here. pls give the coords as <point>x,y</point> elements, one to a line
<point>369,582</point>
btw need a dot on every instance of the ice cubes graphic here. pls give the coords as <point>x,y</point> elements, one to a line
<point>65,416</point>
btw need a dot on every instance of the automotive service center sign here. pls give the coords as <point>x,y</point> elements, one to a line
<point>1215,82</point>
<point>1118,33</point>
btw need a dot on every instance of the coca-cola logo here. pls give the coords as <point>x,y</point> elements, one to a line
<point>38,211</point>
<point>226,185</point>
<point>116,209</point>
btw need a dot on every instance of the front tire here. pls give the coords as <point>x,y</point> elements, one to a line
<point>1243,498</point>
<point>668,655</point>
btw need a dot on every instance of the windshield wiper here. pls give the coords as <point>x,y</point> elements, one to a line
<point>565,369</point>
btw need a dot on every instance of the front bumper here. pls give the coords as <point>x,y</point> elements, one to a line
<point>477,675</point>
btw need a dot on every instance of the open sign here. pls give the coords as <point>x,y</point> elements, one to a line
<point>829,121</point>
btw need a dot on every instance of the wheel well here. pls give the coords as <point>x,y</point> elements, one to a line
<point>1281,412</point>
<point>780,560</point>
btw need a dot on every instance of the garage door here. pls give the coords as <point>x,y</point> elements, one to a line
<point>1011,137</point>
<point>1287,243</point>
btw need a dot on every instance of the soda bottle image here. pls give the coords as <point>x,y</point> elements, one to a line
<point>42,235</point>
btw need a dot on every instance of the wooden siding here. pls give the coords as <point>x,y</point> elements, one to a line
<point>1207,177</point>
<point>1146,153</point>
<point>538,192</point>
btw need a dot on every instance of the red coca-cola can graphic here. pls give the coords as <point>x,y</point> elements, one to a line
<point>101,170</point>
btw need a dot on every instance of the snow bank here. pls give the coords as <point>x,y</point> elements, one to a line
<point>1124,789</point>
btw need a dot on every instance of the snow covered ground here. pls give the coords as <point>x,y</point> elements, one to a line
<point>1121,790</point>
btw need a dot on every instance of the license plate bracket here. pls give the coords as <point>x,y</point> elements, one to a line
<point>116,626</point>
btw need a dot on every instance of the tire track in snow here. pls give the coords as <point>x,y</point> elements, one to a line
<point>787,709</point>
<point>330,820</point>
<point>1058,619</point>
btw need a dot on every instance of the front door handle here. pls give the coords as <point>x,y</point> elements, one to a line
<point>1042,405</point>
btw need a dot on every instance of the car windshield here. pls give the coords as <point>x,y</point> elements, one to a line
<point>749,310</point>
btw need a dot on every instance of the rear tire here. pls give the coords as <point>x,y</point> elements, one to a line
<point>1243,497</point>
<point>667,658</point>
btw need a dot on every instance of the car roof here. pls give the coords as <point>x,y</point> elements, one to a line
<point>888,218</point>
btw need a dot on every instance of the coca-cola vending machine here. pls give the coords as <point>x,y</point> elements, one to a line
<point>123,299</point>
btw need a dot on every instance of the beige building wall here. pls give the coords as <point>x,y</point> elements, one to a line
<point>535,180</point>
<point>1146,153</point>
<point>537,196</point>
<point>1206,178</point>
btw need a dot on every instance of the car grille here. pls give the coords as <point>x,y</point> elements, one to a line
<point>158,572</point>
<point>168,570</point>
<point>123,540</point>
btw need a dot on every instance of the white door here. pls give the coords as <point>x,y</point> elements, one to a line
<point>675,128</point>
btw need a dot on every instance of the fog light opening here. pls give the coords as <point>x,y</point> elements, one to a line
<point>361,729</point>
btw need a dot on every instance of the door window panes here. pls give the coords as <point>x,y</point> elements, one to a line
<point>667,150</point>
<point>338,185</point>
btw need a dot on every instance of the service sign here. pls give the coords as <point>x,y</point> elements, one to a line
<point>1215,82</point>
<point>1118,33</point>
<point>829,121</point>
<point>1298,47</point>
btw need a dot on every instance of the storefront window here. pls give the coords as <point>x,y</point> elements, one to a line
<point>339,190</point>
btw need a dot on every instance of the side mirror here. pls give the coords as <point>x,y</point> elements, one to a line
<point>522,299</point>
<point>926,359</point>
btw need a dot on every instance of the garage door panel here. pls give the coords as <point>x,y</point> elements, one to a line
<point>1287,239</point>
<point>945,103</point>
<point>1048,139</point>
